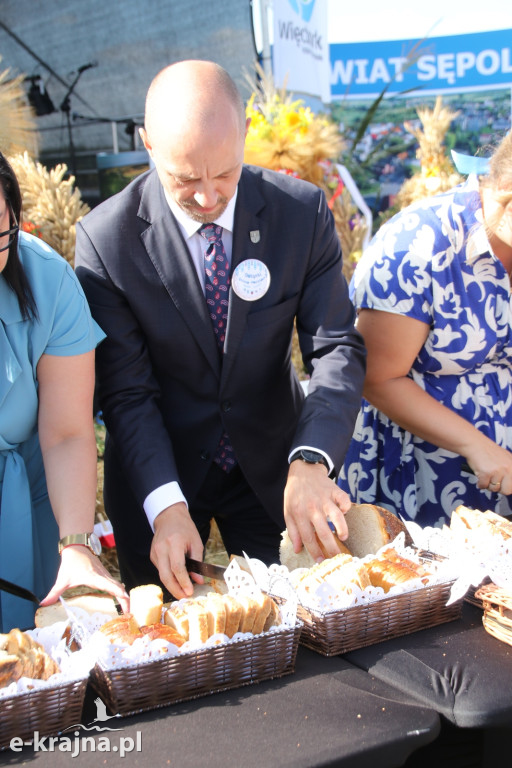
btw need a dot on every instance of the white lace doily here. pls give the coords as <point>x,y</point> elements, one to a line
<point>143,649</point>
<point>279,581</point>
<point>479,557</point>
<point>73,666</point>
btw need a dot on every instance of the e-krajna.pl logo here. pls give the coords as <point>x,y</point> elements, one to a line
<point>79,744</point>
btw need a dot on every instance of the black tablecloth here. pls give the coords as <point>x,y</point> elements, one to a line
<point>457,668</point>
<point>328,713</point>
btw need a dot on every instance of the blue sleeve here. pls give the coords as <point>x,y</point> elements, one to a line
<point>395,272</point>
<point>73,331</point>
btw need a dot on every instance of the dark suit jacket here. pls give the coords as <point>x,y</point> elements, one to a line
<point>164,393</point>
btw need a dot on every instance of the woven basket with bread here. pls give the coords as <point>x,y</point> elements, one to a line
<point>369,592</point>
<point>484,533</point>
<point>159,653</point>
<point>37,691</point>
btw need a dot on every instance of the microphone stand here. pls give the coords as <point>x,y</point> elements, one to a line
<point>66,107</point>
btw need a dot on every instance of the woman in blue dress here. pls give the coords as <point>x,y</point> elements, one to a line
<point>433,293</point>
<point>47,441</point>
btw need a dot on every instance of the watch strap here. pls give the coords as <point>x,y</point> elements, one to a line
<point>73,539</point>
<point>310,457</point>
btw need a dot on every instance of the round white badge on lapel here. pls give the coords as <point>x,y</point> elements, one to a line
<point>251,279</point>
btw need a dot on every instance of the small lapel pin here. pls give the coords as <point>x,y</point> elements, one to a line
<point>254,234</point>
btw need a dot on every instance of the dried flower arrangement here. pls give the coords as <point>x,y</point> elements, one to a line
<point>437,172</point>
<point>286,136</point>
<point>51,203</point>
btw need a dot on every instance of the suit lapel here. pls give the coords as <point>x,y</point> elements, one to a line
<point>170,257</point>
<point>249,204</point>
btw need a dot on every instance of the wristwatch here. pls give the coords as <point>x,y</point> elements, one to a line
<point>310,457</point>
<point>86,539</point>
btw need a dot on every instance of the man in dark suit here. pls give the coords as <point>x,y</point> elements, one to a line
<point>178,374</point>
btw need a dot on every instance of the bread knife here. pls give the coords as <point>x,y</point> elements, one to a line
<point>15,589</point>
<point>204,569</point>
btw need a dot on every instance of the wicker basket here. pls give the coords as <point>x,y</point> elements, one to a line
<point>335,632</point>
<point>470,596</point>
<point>47,710</point>
<point>139,687</point>
<point>497,605</point>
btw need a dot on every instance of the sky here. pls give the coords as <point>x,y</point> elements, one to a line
<point>406,20</point>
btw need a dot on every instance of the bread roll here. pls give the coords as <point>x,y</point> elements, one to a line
<point>122,629</point>
<point>146,602</point>
<point>163,632</point>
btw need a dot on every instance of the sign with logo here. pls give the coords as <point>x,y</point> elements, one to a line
<point>301,48</point>
<point>479,61</point>
<point>77,744</point>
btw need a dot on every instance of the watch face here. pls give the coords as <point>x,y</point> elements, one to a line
<point>95,544</point>
<point>312,457</point>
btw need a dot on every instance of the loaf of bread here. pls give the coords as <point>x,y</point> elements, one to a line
<point>371,527</point>
<point>390,569</point>
<point>90,603</point>
<point>488,523</point>
<point>22,656</point>
<point>302,559</point>
<point>146,602</point>
<point>342,572</point>
<point>198,618</point>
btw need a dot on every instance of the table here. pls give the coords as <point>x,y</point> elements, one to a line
<point>463,673</point>
<point>456,668</point>
<point>328,713</point>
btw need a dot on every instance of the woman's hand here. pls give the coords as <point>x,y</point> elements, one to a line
<point>491,464</point>
<point>80,567</point>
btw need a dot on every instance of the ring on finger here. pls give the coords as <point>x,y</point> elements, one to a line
<point>494,486</point>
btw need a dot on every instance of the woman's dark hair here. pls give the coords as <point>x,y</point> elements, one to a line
<point>13,271</point>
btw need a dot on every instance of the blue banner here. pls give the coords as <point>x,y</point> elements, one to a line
<point>479,61</point>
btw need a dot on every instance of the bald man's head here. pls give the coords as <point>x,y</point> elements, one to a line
<point>195,130</point>
<point>190,91</point>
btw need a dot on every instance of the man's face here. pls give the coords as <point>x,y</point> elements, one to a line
<point>201,172</point>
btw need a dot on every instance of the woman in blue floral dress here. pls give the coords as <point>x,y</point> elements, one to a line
<point>434,300</point>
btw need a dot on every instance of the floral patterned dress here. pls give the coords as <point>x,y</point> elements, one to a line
<point>433,262</point>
